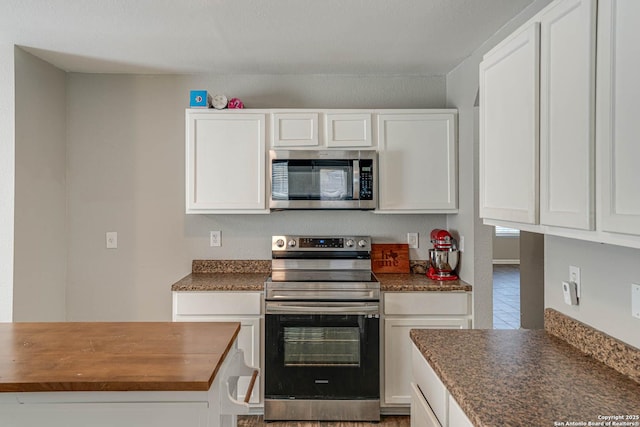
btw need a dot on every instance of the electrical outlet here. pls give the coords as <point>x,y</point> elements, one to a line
<point>412,240</point>
<point>461,246</point>
<point>111,238</point>
<point>635,300</point>
<point>574,276</point>
<point>215,238</point>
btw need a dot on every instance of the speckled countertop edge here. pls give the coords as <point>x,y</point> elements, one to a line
<point>230,266</point>
<point>250,275</point>
<point>612,352</point>
<point>524,377</point>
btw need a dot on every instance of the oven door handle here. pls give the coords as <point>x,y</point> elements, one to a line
<point>319,308</point>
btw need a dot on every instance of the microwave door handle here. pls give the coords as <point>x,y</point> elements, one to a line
<point>356,179</point>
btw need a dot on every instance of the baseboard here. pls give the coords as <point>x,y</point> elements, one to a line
<point>507,261</point>
<point>395,410</point>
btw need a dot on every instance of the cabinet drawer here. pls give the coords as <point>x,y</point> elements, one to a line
<point>216,303</point>
<point>421,413</point>
<point>426,303</point>
<point>430,385</point>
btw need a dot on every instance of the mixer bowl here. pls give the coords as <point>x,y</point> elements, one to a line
<point>444,261</point>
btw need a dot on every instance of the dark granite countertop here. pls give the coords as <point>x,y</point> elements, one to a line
<point>526,378</point>
<point>250,275</point>
<point>255,282</point>
<point>221,282</point>
<point>392,282</point>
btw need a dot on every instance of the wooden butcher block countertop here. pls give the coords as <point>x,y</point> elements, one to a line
<point>100,356</point>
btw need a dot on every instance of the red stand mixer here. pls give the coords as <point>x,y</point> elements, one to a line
<point>443,257</point>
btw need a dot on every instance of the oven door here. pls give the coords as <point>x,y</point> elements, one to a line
<point>322,350</point>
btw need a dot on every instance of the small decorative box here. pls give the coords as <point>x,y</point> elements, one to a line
<point>199,98</point>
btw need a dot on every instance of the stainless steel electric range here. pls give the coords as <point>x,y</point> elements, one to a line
<point>322,330</point>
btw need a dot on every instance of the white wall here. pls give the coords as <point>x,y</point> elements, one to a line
<point>40,191</point>
<point>462,87</point>
<point>506,249</point>
<point>607,273</point>
<point>126,174</point>
<point>7,157</point>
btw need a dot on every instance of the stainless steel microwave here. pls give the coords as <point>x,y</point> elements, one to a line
<point>323,179</point>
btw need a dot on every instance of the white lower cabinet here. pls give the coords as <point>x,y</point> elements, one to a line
<point>431,403</point>
<point>412,310</point>
<point>243,307</point>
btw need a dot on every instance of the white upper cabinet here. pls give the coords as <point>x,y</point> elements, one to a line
<point>618,115</point>
<point>226,155</point>
<point>348,130</point>
<point>303,129</point>
<point>567,102</point>
<point>225,162</point>
<point>294,129</point>
<point>509,112</point>
<point>417,161</point>
<point>537,101</point>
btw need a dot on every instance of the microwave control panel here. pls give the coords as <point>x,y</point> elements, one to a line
<point>366,179</point>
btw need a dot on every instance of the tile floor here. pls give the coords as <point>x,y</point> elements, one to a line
<point>506,296</point>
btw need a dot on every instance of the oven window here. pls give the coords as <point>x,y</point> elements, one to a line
<point>321,346</point>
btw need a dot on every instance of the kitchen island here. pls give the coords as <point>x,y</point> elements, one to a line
<point>125,374</point>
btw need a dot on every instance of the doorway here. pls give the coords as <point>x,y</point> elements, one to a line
<point>506,278</point>
<point>506,296</point>
<point>518,279</point>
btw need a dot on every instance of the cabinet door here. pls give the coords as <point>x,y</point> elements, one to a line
<point>397,352</point>
<point>509,144</point>
<point>421,413</point>
<point>457,417</point>
<point>418,163</point>
<point>567,99</point>
<point>348,130</point>
<point>618,110</point>
<point>295,129</point>
<point>430,385</point>
<point>225,162</point>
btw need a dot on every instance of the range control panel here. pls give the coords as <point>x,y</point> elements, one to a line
<point>311,243</point>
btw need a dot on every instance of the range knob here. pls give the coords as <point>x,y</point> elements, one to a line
<point>279,243</point>
<point>362,243</point>
<point>349,243</point>
<point>292,243</point>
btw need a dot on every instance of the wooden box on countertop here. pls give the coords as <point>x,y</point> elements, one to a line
<point>390,258</point>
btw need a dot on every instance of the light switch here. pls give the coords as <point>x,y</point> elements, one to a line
<point>112,239</point>
<point>215,238</point>
<point>412,240</point>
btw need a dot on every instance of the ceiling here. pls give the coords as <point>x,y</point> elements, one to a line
<point>372,37</point>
